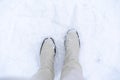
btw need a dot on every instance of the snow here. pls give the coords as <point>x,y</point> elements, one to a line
<point>25,23</point>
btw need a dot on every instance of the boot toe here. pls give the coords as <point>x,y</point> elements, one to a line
<point>48,45</point>
<point>72,37</point>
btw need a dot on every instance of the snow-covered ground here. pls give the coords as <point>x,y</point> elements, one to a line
<point>25,23</point>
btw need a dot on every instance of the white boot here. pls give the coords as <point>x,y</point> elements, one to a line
<point>72,69</point>
<point>47,54</point>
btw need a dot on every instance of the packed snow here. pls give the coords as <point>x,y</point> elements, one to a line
<point>25,23</point>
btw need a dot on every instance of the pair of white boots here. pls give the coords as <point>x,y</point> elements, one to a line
<point>71,69</point>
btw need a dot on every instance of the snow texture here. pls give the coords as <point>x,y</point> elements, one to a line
<point>25,23</point>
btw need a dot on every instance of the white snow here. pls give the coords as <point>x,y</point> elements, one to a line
<point>25,23</point>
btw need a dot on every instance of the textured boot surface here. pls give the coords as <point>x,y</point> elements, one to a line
<point>72,46</point>
<point>47,54</point>
<point>72,69</point>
